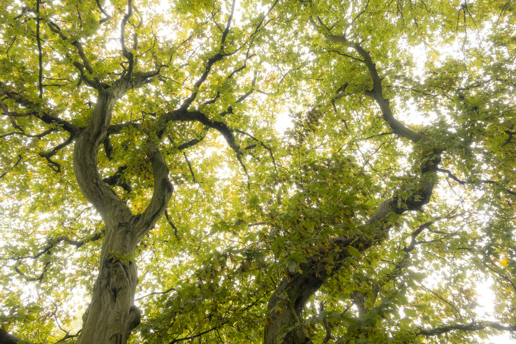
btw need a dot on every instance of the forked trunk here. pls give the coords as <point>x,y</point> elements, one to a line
<point>111,315</point>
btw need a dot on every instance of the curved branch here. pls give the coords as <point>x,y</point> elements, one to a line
<point>377,93</point>
<point>107,16</point>
<point>103,198</point>
<point>156,293</point>
<point>461,182</point>
<point>33,279</point>
<point>39,136</point>
<point>162,193</point>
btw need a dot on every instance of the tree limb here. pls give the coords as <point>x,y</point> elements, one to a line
<point>15,164</point>
<point>162,191</point>
<point>472,326</point>
<point>6,338</point>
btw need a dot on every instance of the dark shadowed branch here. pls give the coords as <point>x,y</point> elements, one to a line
<point>156,293</point>
<point>54,242</point>
<point>472,326</point>
<point>106,15</point>
<point>14,166</point>
<point>263,144</point>
<point>172,225</point>
<point>55,165</point>
<point>461,182</point>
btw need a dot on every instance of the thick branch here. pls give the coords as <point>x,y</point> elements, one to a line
<point>85,156</point>
<point>377,93</point>
<point>162,191</point>
<point>6,338</point>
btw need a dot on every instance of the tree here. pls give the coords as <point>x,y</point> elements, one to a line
<point>144,133</point>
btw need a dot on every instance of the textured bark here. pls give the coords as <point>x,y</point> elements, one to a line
<point>285,308</point>
<point>111,315</point>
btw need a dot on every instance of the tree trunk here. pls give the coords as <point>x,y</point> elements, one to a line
<point>112,316</point>
<point>285,308</point>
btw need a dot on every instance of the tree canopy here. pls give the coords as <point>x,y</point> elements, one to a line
<point>257,171</point>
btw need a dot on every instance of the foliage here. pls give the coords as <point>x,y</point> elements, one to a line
<point>342,171</point>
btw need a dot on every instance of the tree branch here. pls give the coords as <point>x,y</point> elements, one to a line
<point>461,182</point>
<point>156,293</point>
<point>6,338</point>
<point>15,164</point>
<point>118,179</point>
<point>299,287</point>
<point>54,151</point>
<point>162,193</point>
<point>473,326</point>
<point>107,16</point>
<point>190,167</point>
<point>40,55</point>
<point>172,225</point>
<point>80,50</point>
<point>54,242</point>
<point>377,93</point>
<point>128,55</point>
<point>263,144</point>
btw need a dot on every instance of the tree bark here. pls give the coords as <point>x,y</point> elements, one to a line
<point>111,315</point>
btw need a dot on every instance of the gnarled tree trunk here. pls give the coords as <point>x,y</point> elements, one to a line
<point>111,315</point>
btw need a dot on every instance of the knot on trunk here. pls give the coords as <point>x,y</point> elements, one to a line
<point>134,317</point>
